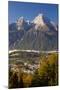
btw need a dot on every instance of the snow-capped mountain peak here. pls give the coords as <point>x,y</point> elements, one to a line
<point>20,23</point>
<point>39,20</point>
<point>23,24</point>
<point>21,18</point>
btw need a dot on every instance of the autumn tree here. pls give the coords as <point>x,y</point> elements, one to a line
<point>47,73</point>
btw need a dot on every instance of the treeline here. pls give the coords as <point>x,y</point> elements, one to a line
<point>45,75</point>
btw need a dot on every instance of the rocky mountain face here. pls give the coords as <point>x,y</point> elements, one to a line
<point>39,34</point>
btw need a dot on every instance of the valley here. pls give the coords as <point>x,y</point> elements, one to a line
<point>27,60</point>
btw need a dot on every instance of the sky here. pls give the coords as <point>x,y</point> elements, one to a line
<point>30,10</point>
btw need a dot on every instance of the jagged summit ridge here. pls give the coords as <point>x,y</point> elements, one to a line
<point>20,22</point>
<point>38,34</point>
<point>39,20</point>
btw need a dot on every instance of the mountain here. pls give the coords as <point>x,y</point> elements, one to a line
<point>14,34</point>
<point>17,30</point>
<point>39,34</point>
<point>22,24</point>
